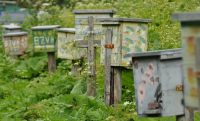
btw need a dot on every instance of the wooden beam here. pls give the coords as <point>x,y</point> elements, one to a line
<point>51,62</point>
<point>197,59</point>
<point>84,43</point>
<point>107,79</point>
<point>91,56</point>
<point>117,84</point>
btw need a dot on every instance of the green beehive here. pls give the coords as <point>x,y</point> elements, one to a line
<point>44,38</point>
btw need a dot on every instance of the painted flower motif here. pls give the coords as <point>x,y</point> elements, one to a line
<point>39,33</point>
<point>139,43</point>
<point>139,31</point>
<point>44,33</point>
<point>35,33</point>
<point>49,33</point>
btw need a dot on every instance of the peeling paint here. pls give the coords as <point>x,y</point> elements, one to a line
<point>152,80</point>
<point>142,70</point>
<point>141,93</point>
<point>151,67</point>
<point>144,80</point>
<point>136,65</point>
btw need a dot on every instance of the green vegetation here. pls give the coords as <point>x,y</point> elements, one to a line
<point>28,93</point>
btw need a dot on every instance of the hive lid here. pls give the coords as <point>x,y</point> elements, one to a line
<point>186,16</point>
<point>174,53</point>
<point>15,34</point>
<point>71,30</point>
<point>94,11</point>
<point>11,27</point>
<point>45,27</point>
<point>125,20</point>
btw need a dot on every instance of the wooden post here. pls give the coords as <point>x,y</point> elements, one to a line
<point>107,79</point>
<point>117,84</point>
<point>189,115</point>
<point>51,61</point>
<point>75,68</point>
<point>197,59</point>
<point>91,56</point>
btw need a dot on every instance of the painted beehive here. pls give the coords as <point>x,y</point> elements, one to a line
<point>81,22</point>
<point>190,31</point>
<point>128,35</point>
<point>158,82</point>
<point>11,29</point>
<point>66,49</point>
<point>15,43</point>
<point>44,38</point>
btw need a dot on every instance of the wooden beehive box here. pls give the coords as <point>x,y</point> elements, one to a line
<point>128,36</point>
<point>15,43</point>
<point>81,23</point>
<point>66,49</point>
<point>190,31</point>
<point>11,29</point>
<point>44,38</point>
<point>158,80</point>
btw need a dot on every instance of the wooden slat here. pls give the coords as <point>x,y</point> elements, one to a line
<point>91,56</point>
<point>51,62</point>
<point>107,79</point>
<point>83,43</point>
<point>109,23</point>
<point>117,84</point>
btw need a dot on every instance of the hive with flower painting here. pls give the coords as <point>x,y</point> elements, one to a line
<point>128,36</point>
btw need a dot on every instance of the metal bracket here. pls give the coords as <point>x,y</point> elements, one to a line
<point>109,45</point>
<point>179,88</point>
<point>198,74</point>
<point>153,106</point>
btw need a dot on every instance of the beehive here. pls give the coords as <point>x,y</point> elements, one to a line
<point>44,38</point>
<point>15,43</point>
<point>81,23</point>
<point>190,31</point>
<point>158,80</point>
<point>11,29</point>
<point>66,49</point>
<point>128,36</point>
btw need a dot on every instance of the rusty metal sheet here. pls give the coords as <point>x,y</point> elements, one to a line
<point>179,88</point>
<point>109,45</point>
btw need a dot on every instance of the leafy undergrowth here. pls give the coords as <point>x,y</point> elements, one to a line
<point>27,93</point>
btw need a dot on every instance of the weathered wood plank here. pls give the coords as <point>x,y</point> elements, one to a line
<point>112,86</point>
<point>51,62</point>
<point>189,115</point>
<point>197,59</point>
<point>108,52</point>
<point>83,43</point>
<point>91,56</point>
<point>117,84</point>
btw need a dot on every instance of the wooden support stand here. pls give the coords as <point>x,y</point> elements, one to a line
<point>113,75</point>
<point>108,80</point>
<point>117,84</point>
<point>91,56</point>
<point>189,116</point>
<point>51,62</point>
